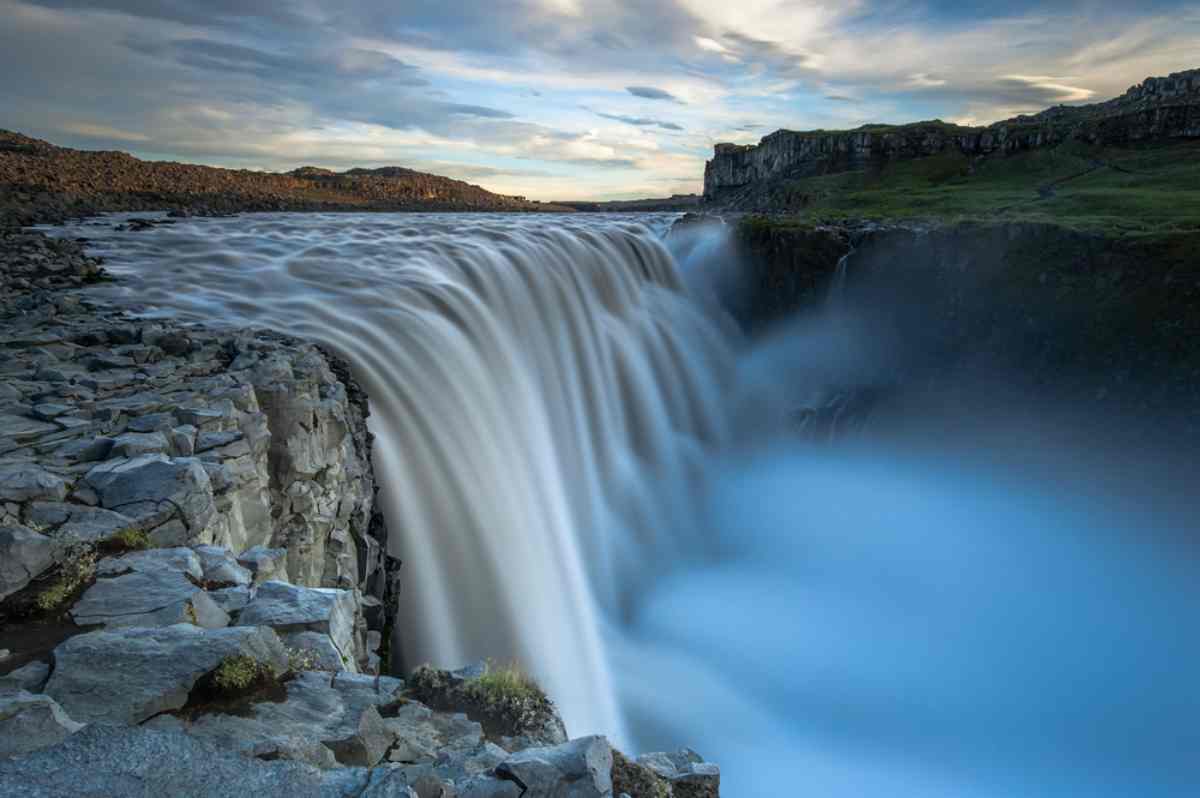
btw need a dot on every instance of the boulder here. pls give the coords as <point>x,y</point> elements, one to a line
<point>232,599</point>
<point>265,564</point>
<point>156,596</point>
<point>220,567</point>
<point>24,554</point>
<point>79,523</point>
<point>339,713</point>
<point>154,489</point>
<point>290,608</point>
<point>177,559</point>
<point>128,675</point>
<point>30,722</point>
<point>132,444</point>
<point>580,768</point>
<point>313,651</point>
<point>31,678</point>
<point>22,482</point>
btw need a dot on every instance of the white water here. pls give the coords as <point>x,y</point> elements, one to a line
<point>584,470</point>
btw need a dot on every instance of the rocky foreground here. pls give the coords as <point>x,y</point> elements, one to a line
<point>194,594</point>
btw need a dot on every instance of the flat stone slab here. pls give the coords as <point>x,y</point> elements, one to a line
<point>291,608</point>
<point>22,482</point>
<point>220,566</point>
<point>152,597</point>
<point>78,522</point>
<point>31,722</point>
<point>129,675</point>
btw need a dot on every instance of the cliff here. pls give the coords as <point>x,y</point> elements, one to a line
<point>40,182</point>
<point>1158,109</point>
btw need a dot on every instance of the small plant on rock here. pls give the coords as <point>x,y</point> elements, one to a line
<point>76,567</point>
<point>238,673</point>
<point>511,695</point>
<point>131,540</point>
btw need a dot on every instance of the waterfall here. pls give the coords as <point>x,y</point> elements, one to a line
<point>536,390</point>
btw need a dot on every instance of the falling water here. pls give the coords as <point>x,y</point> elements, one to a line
<point>537,388</point>
<point>586,469</point>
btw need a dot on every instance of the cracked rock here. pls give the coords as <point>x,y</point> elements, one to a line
<point>24,554</point>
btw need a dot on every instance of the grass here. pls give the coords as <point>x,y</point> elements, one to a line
<point>1149,188</point>
<point>506,700</point>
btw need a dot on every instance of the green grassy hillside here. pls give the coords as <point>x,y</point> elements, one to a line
<point>1152,188</point>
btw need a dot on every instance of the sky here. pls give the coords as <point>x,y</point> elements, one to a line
<point>550,99</point>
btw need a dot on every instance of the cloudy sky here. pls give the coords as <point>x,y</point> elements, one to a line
<point>550,98</point>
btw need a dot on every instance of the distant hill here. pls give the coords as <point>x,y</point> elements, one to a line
<point>676,202</point>
<point>40,182</point>
<point>798,170</point>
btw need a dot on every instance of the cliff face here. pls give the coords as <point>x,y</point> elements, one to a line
<point>1159,108</point>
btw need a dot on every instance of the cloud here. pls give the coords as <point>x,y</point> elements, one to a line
<point>651,93</point>
<point>88,130</point>
<point>639,121</point>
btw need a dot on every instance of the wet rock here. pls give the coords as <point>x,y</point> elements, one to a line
<point>31,722</point>
<point>21,482</point>
<point>686,771</point>
<point>128,675</point>
<point>31,678</point>
<point>289,608</point>
<point>580,768</point>
<point>265,564</point>
<point>24,554</point>
<point>221,568</point>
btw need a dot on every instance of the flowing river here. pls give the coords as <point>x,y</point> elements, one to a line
<point>587,469</point>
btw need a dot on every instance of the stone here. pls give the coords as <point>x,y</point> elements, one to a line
<point>183,440</point>
<point>314,650</point>
<point>22,482</point>
<point>103,761</point>
<point>152,422</point>
<point>290,608</point>
<point>687,772</point>
<point>128,675</point>
<point>31,722</point>
<point>48,411</point>
<point>213,440</point>
<point>86,450</point>
<point>21,429</point>
<point>24,554</point>
<point>154,488</point>
<point>132,444</point>
<point>340,714</point>
<point>266,564</point>
<point>232,599</point>
<point>580,768</point>
<point>221,568</point>
<point>489,787</point>
<point>152,597</point>
<point>178,559</point>
<point>31,678</point>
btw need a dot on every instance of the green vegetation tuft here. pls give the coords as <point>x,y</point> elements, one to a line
<point>132,540</point>
<point>1147,188</point>
<point>238,673</point>
<point>75,568</point>
<point>511,694</point>
<point>637,780</point>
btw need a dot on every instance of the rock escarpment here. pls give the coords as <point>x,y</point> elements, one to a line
<point>1157,109</point>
